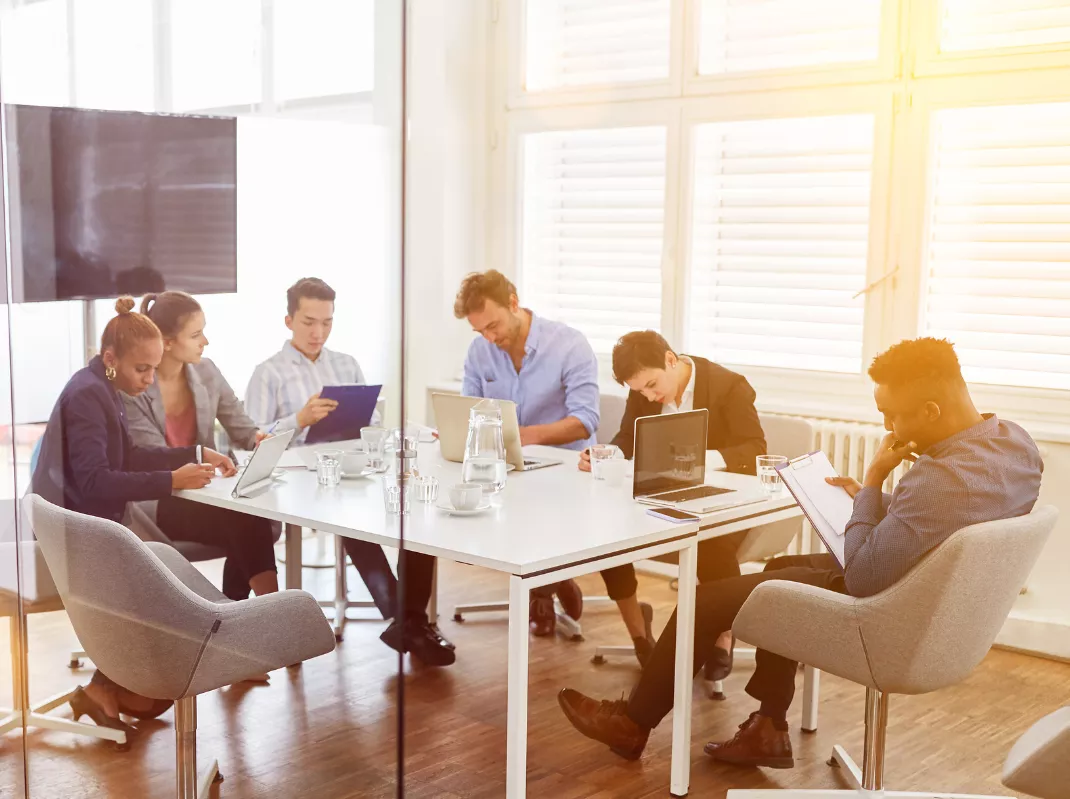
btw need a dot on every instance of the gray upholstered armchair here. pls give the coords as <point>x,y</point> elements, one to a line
<point>1039,763</point>
<point>157,626</point>
<point>926,632</point>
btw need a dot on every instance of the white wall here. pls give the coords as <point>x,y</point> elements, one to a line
<point>447,184</point>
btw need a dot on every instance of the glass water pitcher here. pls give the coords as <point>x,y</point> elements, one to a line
<point>484,451</point>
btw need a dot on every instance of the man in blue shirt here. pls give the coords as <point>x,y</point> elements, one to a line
<point>549,370</point>
<point>968,468</point>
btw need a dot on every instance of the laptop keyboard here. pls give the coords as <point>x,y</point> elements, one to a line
<point>687,494</point>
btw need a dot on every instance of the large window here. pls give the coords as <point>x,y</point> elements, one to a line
<point>837,175</point>
<point>593,223</point>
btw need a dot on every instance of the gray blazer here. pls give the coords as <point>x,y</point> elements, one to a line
<point>212,396</point>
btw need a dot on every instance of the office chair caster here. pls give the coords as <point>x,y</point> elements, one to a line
<point>598,660</point>
<point>457,617</point>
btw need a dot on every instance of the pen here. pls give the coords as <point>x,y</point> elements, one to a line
<point>271,429</point>
<point>199,461</point>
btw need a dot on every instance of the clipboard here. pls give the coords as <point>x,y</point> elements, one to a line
<point>828,508</point>
<point>356,404</point>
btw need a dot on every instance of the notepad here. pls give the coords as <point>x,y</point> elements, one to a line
<point>828,508</point>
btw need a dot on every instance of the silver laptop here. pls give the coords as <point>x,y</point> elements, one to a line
<point>451,417</point>
<point>258,471</point>
<point>670,465</point>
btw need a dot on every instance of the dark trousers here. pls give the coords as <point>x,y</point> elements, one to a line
<point>248,540</point>
<point>374,570</point>
<point>716,561</point>
<point>716,606</point>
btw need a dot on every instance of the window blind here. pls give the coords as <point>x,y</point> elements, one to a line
<point>592,227</point>
<point>573,43</point>
<point>215,53</point>
<point>779,242</point>
<point>998,250</point>
<point>995,24</point>
<point>756,35</point>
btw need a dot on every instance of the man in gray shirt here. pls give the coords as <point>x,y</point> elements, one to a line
<point>968,468</point>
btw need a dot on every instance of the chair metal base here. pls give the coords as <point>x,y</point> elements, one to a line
<point>790,793</point>
<point>566,625</point>
<point>187,784</point>
<point>38,717</point>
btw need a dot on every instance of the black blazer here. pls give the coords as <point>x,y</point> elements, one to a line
<point>88,463</point>
<point>734,429</point>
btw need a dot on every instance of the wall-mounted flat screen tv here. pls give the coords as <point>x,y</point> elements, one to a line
<point>104,203</point>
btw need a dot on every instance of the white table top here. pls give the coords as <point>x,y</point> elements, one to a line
<point>543,519</point>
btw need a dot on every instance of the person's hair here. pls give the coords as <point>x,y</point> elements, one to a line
<point>127,328</point>
<point>310,288</point>
<point>169,310</point>
<point>478,287</point>
<point>925,361</point>
<point>636,351</point>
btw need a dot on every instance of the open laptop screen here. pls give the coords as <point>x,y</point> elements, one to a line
<point>670,452</point>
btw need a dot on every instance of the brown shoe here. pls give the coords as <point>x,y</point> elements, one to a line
<point>571,598</point>
<point>541,617</point>
<point>758,743</point>
<point>605,721</point>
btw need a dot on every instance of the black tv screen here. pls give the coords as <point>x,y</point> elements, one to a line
<point>105,203</point>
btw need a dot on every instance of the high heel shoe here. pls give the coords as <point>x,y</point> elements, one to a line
<point>83,705</point>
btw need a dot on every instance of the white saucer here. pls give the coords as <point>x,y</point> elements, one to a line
<point>357,475</point>
<point>444,506</point>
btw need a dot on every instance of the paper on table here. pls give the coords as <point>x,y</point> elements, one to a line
<point>715,461</point>
<point>828,508</point>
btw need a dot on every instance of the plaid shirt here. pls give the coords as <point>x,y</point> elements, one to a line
<point>986,472</point>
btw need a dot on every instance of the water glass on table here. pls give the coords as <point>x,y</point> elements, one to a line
<point>425,488</point>
<point>600,454</point>
<point>374,442</point>
<point>329,467</point>
<point>397,490</point>
<point>768,475</point>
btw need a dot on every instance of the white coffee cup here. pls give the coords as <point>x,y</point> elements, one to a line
<point>612,471</point>
<point>354,462</point>
<point>466,496</point>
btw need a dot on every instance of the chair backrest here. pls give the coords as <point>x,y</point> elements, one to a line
<point>139,624</point>
<point>610,413</point>
<point>791,436</point>
<point>1039,762</point>
<point>936,624</point>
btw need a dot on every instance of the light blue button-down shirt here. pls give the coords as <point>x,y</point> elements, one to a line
<point>285,382</point>
<point>558,377</point>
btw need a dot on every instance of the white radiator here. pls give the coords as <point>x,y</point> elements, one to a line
<point>851,446</point>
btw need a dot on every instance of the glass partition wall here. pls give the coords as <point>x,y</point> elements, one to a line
<point>229,149</point>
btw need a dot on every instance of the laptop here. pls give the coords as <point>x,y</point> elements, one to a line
<point>258,472</point>
<point>670,465</point>
<point>451,416</point>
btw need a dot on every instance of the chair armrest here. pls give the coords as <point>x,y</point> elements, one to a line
<point>262,634</point>
<point>186,572</point>
<point>807,624</point>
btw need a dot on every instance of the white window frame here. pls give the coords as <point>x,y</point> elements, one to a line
<point>910,80</point>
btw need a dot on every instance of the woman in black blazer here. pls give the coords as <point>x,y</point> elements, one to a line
<point>88,464</point>
<point>660,381</point>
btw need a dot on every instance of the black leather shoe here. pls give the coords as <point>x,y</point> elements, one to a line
<point>424,641</point>
<point>719,666</point>
<point>644,647</point>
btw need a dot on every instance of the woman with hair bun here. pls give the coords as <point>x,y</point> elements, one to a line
<point>88,464</point>
<point>181,408</point>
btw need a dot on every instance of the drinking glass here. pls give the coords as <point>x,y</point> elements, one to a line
<point>599,454</point>
<point>767,473</point>
<point>329,467</point>
<point>396,493</point>
<point>374,439</point>
<point>426,488</point>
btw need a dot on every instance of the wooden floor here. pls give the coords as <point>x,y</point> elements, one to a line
<point>328,730</point>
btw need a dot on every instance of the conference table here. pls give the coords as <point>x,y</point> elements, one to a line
<point>545,526</point>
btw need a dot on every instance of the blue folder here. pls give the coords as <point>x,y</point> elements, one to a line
<point>356,404</point>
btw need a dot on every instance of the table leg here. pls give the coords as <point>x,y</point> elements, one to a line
<point>517,731</point>
<point>685,656</point>
<point>811,698</point>
<point>293,555</point>
<point>432,606</point>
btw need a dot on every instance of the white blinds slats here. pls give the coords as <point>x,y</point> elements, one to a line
<point>779,242</point>
<point>573,43</point>
<point>998,255</point>
<point>755,35</point>
<point>997,24</point>
<point>592,227</point>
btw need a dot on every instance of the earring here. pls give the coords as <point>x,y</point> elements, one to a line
<point>109,373</point>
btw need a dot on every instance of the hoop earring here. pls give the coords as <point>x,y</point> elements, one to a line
<point>109,373</point>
